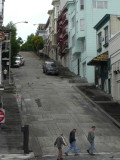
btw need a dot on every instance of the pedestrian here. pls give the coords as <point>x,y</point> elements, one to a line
<point>5,73</point>
<point>91,137</point>
<point>59,142</point>
<point>72,142</point>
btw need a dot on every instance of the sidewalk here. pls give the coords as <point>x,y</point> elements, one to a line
<point>11,146</point>
<point>96,96</point>
<point>102,101</point>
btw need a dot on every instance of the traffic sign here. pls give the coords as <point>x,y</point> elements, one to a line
<point>2,115</point>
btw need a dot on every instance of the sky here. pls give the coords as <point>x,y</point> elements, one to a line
<point>34,12</point>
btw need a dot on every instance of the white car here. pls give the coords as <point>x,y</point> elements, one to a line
<point>17,62</point>
<point>22,61</point>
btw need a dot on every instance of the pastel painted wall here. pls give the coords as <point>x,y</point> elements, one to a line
<point>91,17</point>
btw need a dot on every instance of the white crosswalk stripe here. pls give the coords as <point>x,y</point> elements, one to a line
<point>16,156</point>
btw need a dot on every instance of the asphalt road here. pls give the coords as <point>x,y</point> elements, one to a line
<point>51,106</point>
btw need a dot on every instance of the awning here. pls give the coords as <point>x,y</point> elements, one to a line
<point>99,59</point>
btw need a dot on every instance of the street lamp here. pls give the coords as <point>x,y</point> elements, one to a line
<point>10,49</point>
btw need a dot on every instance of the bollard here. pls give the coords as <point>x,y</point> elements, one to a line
<point>25,131</point>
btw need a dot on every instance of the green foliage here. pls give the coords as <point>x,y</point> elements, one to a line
<point>15,43</point>
<point>33,43</point>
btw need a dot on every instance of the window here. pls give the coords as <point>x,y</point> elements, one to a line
<point>100,4</point>
<point>73,41</point>
<point>57,10</point>
<point>83,45</point>
<point>82,24</point>
<point>106,34</point>
<point>81,4</point>
<point>100,40</point>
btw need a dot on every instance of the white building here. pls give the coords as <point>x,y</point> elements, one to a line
<point>114,52</point>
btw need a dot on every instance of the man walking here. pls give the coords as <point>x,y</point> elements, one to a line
<point>91,137</point>
<point>59,142</point>
<point>72,142</point>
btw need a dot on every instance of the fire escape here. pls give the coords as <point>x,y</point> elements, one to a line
<point>62,33</point>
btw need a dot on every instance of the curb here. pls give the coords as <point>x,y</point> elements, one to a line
<point>97,106</point>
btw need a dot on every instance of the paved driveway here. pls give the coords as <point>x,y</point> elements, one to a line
<point>51,106</point>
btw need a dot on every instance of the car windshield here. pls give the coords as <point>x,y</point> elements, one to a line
<point>51,65</point>
<point>17,58</point>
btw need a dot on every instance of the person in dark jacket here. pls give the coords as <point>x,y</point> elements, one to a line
<point>59,142</point>
<point>72,142</point>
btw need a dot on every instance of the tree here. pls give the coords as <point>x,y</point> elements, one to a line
<point>28,45</point>
<point>15,43</point>
<point>37,43</point>
<point>33,43</point>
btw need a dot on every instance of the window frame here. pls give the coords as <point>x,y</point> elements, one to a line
<point>103,3</point>
<point>82,5</point>
<point>82,24</point>
<point>106,32</point>
<point>99,40</point>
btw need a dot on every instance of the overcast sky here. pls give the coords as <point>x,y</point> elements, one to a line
<point>34,12</point>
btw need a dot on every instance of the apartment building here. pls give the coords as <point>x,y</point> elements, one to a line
<point>85,15</point>
<point>80,36</point>
<point>53,15</point>
<point>106,28</point>
<point>114,55</point>
<point>41,31</point>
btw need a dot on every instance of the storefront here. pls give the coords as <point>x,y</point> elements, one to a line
<point>101,63</point>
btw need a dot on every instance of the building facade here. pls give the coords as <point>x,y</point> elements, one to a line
<point>84,17</point>
<point>62,37</point>
<point>114,53</point>
<point>53,16</point>
<point>41,31</point>
<point>106,28</point>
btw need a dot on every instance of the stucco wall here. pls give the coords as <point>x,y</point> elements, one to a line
<point>114,51</point>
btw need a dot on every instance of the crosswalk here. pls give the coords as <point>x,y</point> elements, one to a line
<point>31,156</point>
<point>16,156</point>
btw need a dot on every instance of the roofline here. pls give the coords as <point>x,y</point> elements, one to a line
<point>67,3</point>
<point>102,21</point>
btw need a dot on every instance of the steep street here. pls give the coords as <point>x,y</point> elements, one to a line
<point>50,106</point>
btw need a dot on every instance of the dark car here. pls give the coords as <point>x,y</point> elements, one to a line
<point>50,68</point>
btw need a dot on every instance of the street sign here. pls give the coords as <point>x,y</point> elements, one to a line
<point>2,116</point>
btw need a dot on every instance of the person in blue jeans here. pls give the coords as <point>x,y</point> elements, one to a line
<point>91,137</point>
<point>72,142</point>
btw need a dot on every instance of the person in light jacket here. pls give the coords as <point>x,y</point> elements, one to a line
<point>91,137</point>
<point>59,142</point>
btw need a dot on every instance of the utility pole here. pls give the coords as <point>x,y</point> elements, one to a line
<point>2,36</point>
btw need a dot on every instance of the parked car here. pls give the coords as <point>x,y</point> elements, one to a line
<point>22,61</point>
<point>50,67</point>
<point>17,62</point>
